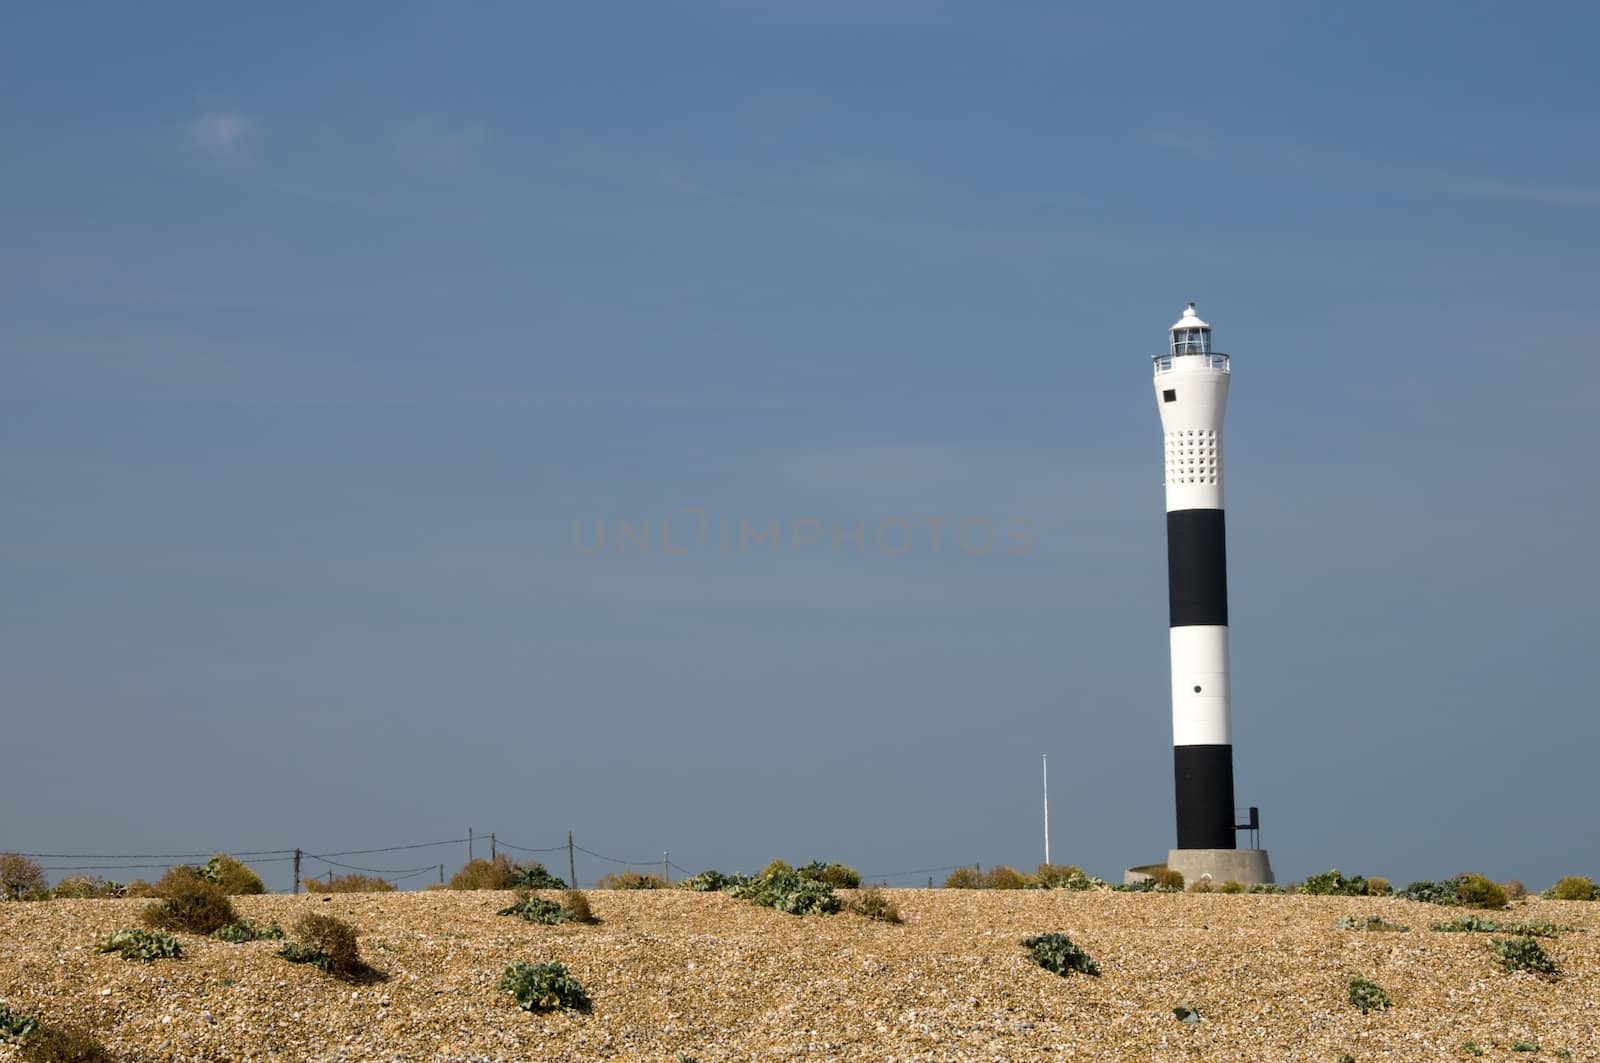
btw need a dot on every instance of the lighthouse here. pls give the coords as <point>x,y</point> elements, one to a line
<point>1191,384</point>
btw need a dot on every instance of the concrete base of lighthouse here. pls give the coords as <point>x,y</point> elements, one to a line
<point>1248,867</point>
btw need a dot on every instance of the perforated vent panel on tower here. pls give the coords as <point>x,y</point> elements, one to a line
<point>1192,456</point>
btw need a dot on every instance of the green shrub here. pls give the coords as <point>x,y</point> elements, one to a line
<point>534,877</point>
<point>1476,891</point>
<point>1231,886</point>
<point>1333,884</point>
<point>1523,954</point>
<point>1005,878</point>
<point>1378,886</point>
<point>138,888</point>
<point>875,904</point>
<point>1572,888</point>
<point>1472,1049</point>
<point>1462,924</point>
<point>838,876</point>
<point>536,909</point>
<point>1058,953</point>
<point>964,878</point>
<point>1519,1045</point>
<point>704,882</point>
<point>787,891</point>
<point>1064,877</point>
<point>1054,876</point>
<point>1471,891</point>
<point>14,1027</point>
<point>84,887</point>
<point>296,952</point>
<point>1153,883</point>
<point>543,987</point>
<point>189,903</point>
<point>1368,996</point>
<point>327,943</point>
<point>143,945</point>
<point>1187,1014</point>
<point>242,930</point>
<point>1429,892</point>
<point>1371,922</point>
<point>234,878</point>
<point>21,879</point>
<point>576,904</point>
<point>482,874</point>
<point>352,883</point>
<point>631,880</point>
<point>1167,878</point>
<point>1264,887</point>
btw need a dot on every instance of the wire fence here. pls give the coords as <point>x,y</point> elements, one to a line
<point>112,865</point>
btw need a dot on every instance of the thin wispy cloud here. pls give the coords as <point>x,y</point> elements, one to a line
<point>220,133</point>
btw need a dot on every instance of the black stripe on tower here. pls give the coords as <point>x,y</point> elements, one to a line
<point>1197,568</point>
<point>1197,593</point>
<point>1204,788</point>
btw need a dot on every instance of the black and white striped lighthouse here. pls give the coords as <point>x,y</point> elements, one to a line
<point>1191,382</point>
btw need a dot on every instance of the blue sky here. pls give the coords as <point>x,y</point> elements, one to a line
<point>320,327</point>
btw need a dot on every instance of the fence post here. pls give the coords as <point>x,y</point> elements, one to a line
<point>297,872</point>
<point>441,874</point>
<point>469,845</point>
<point>572,867</point>
<point>493,853</point>
<point>665,864</point>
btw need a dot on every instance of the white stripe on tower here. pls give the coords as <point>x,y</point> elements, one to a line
<point>1191,384</point>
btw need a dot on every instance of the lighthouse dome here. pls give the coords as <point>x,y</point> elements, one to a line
<point>1189,320</point>
<point>1191,335</point>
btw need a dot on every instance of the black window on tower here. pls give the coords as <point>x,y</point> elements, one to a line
<point>1169,395</point>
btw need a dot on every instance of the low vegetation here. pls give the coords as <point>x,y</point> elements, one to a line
<point>543,987</point>
<point>1367,995</point>
<point>21,879</point>
<point>535,909</point>
<point>1334,884</point>
<point>85,888</point>
<point>1370,922</point>
<point>1157,880</point>
<point>1060,954</point>
<point>783,888</point>
<point>873,903</point>
<point>1469,891</point>
<point>1572,888</point>
<point>352,883</point>
<point>326,943</point>
<point>234,878</point>
<point>1524,954</point>
<point>501,874</point>
<point>242,930</point>
<point>1465,924</point>
<point>142,945</point>
<point>704,882</point>
<point>631,880</point>
<point>576,903</point>
<point>534,876</point>
<point>15,1027</point>
<point>190,903</point>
